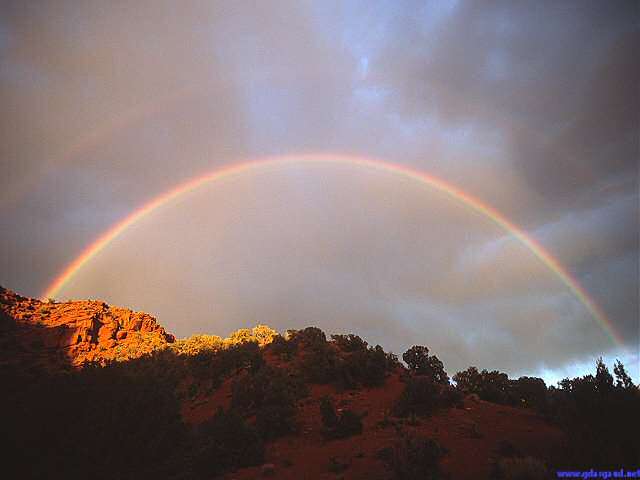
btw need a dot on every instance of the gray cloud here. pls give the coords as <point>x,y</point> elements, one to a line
<point>530,107</point>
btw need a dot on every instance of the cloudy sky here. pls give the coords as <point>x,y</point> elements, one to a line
<point>530,107</point>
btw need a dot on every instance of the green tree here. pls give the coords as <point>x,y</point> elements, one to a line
<point>623,380</point>
<point>421,363</point>
<point>468,381</point>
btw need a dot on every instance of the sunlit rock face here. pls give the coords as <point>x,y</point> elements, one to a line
<point>36,335</point>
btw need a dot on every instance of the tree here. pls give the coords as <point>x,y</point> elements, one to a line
<point>468,380</point>
<point>600,421</point>
<point>421,363</point>
<point>532,391</point>
<point>263,334</point>
<point>623,380</point>
<point>239,337</point>
<point>349,343</point>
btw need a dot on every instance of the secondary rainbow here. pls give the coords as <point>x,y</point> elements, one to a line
<point>328,159</point>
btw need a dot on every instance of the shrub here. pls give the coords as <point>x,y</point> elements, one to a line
<point>283,348</point>
<point>532,391</point>
<point>272,393</point>
<point>197,343</point>
<point>319,365</point>
<point>414,457</point>
<point>239,337</point>
<point>226,442</point>
<point>450,397</point>
<point>420,396</point>
<point>363,367</point>
<point>391,361</point>
<point>527,468</point>
<point>311,338</point>
<point>496,387</point>
<point>217,365</point>
<point>334,426</point>
<point>350,342</point>
<point>336,465</point>
<point>276,420</point>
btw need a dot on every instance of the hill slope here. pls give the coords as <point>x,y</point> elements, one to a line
<point>260,404</point>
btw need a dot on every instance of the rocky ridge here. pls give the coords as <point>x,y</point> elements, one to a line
<point>52,336</point>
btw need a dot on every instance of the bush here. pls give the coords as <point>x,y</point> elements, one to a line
<point>217,365</point>
<point>414,457</point>
<point>283,348</point>
<point>336,465</point>
<point>319,365</point>
<point>311,338</point>
<point>239,337</point>
<point>272,393</point>
<point>197,343</point>
<point>420,396</point>
<point>392,362</point>
<point>350,342</point>
<point>334,426</point>
<point>364,367</point>
<point>527,468</point>
<point>450,397</point>
<point>496,387</point>
<point>226,442</point>
<point>532,391</point>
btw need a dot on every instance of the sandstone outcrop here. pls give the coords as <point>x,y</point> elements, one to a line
<point>50,336</point>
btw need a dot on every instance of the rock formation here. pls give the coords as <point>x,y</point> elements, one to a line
<point>50,336</point>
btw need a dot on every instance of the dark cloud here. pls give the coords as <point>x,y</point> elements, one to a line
<point>531,107</point>
<point>560,80</point>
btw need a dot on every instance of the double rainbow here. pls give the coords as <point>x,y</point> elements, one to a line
<point>366,164</point>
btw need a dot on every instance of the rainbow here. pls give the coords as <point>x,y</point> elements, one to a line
<point>87,143</point>
<point>327,159</point>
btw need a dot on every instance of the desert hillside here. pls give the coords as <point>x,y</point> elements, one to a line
<point>93,391</point>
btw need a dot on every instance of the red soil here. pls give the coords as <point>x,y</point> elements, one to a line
<point>473,435</point>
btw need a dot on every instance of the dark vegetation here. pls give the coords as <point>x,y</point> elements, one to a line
<point>414,457</point>
<point>600,416</point>
<point>341,425</point>
<point>124,420</point>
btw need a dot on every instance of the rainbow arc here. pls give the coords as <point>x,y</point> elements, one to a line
<point>331,159</point>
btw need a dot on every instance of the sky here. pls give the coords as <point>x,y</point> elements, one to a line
<point>529,107</point>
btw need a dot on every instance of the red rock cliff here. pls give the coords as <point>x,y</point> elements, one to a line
<point>48,335</point>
